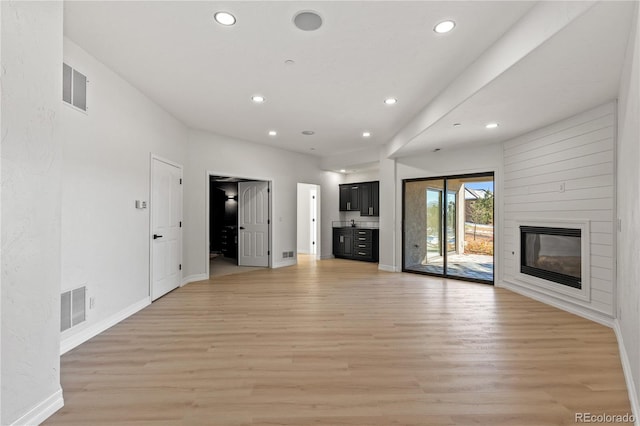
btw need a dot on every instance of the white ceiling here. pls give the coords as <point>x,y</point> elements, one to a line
<point>205,74</point>
<point>575,70</point>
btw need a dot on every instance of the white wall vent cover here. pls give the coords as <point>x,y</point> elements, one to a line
<point>73,308</point>
<point>74,87</point>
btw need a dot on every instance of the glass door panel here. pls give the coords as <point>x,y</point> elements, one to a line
<point>434,226</point>
<point>451,221</point>
<point>473,255</point>
<point>423,226</point>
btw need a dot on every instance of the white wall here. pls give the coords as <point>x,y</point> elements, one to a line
<point>364,176</point>
<point>628,200</point>
<point>1,267</point>
<point>224,156</point>
<point>486,158</point>
<point>578,153</point>
<point>387,218</point>
<point>106,167</point>
<point>30,169</point>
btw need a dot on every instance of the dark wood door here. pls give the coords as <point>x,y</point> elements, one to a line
<point>375,198</point>
<point>370,198</point>
<point>354,201</point>
<point>347,244</point>
<point>345,197</point>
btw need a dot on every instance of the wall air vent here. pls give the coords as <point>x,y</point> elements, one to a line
<point>73,308</point>
<point>74,87</point>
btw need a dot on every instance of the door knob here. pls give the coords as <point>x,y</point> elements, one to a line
<point>242,227</point>
<point>156,236</point>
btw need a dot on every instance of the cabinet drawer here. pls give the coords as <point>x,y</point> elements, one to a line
<point>358,245</point>
<point>362,253</point>
<point>362,236</point>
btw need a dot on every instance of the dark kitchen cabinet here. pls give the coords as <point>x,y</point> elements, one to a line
<point>356,244</point>
<point>342,242</point>
<point>350,197</point>
<point>363,197</point>
<point>370,199</point>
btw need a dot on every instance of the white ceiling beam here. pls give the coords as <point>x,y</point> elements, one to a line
<point>541,23</point>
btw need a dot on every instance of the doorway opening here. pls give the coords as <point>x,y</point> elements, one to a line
<point>239,225</point>
<point>308,220</point>
<point>448,226</point>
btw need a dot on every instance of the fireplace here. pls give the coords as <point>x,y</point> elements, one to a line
<point>552,254</point>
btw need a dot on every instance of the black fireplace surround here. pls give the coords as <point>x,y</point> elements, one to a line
<point>553,254</point>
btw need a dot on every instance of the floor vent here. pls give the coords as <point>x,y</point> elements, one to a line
<point>73,308</point>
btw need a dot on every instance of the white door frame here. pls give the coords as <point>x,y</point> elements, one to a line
<point>208,212</point>
<point>318,226</point>
<point>315,223</point>
<point>318,221</point>
<point>153,157</point>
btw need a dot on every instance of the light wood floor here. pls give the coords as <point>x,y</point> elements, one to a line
<point>337,342</point>
<point>221,265</point>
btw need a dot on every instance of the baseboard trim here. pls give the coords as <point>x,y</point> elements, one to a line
<point>193,278</point>
<point>327,256</point>
<point>600,318</point>
<point>628,374</point>
<point>93,330</point>
<point>284,263</point>
<point>42,411</point>
<point>387,268</point>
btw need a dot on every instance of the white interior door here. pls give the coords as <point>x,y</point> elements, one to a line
<point>166,235</point>
<point>253,223</point>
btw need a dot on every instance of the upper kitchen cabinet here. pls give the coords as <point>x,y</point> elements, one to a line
<point>363,197</point>
<point>370,199</point>
<point>350,197</point>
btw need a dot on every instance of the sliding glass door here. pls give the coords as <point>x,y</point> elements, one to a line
<point>424,240</point>
<point>448,226</point>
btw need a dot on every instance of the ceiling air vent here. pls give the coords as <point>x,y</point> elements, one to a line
<point>74,87</point>
<point>73,308</point>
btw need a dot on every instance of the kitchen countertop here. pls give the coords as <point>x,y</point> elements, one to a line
<point>358,225</point>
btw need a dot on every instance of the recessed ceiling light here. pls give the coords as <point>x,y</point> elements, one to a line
<point>390,101</point>
<point>289,62</point>
<point>224,18</point>
<point>308,132</point>
<point>366,134</point>
<point>307,21</point>
<point>272,133</point>
<point>444,27</point>
<point>491,125</point>
<point>436,150</point>
<point>343,171</point>
<point>258,99</point>
<point>457,124</point>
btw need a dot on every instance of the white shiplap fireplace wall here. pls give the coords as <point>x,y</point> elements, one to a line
<point>565,172</point>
